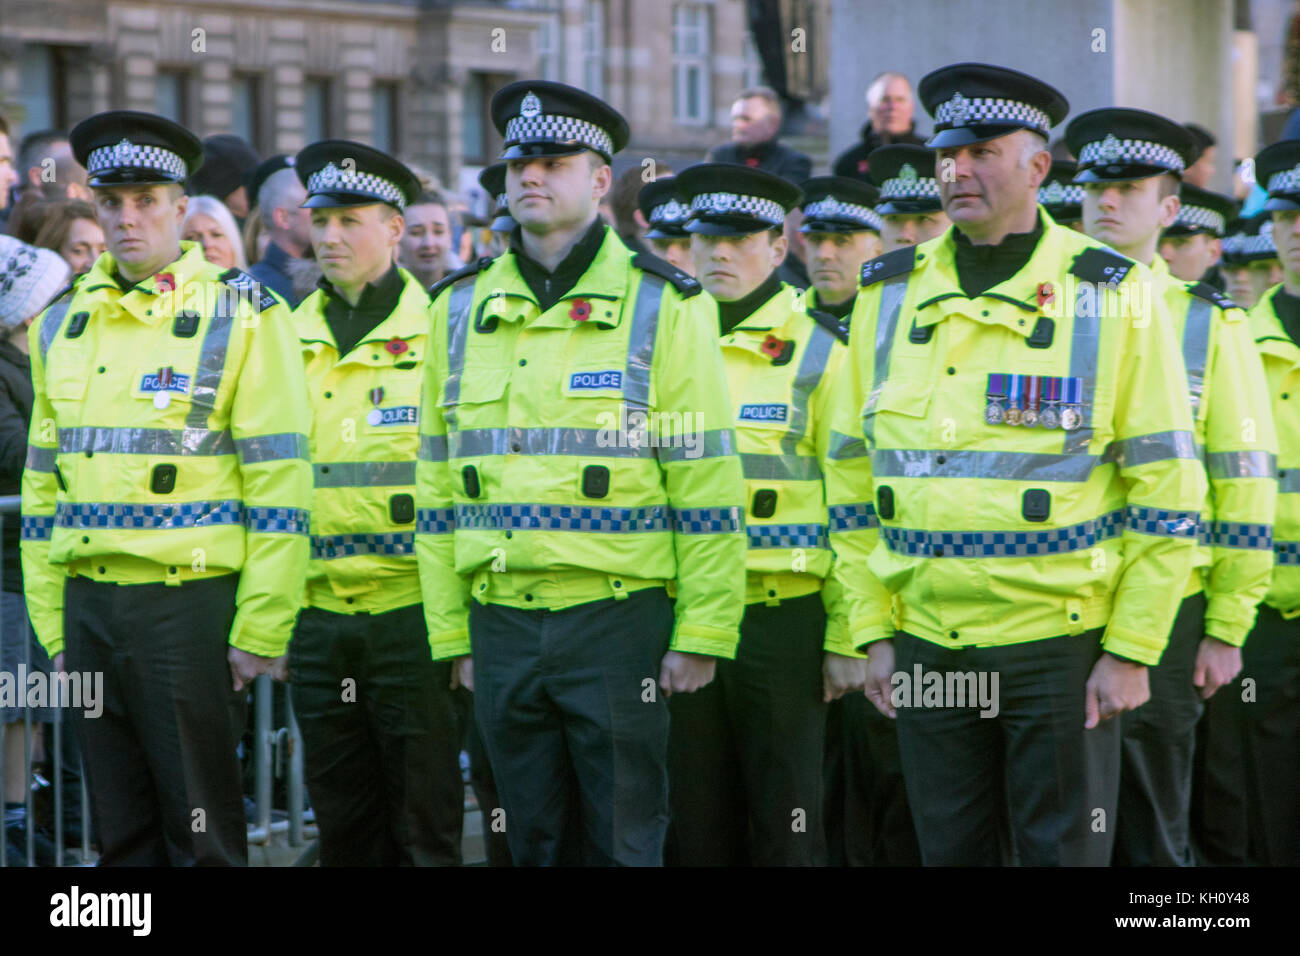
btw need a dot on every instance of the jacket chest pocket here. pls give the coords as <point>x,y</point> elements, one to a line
<point>170,386</point>
<point>896,415</point>
<point>392,402</point>
<point>470,395</point>
<point>67,377</point>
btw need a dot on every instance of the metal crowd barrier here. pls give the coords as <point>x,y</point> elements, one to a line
<point>277,753</point>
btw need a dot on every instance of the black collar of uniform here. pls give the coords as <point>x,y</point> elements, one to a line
<point>980,268</point>
<point>839,309</point>
<point>567,273</point>
<point>1287,308</point>
<point>731,314</point>
<point>377,298</point>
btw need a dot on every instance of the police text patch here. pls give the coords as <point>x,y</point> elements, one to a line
<point>395,415</point>
<point>579,381</point>
<point>165,380</point>
<point>764,413</point>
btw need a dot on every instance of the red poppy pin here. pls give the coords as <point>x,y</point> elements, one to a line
<point>164,282</point>
<point>1046,294</point>
<point>396,346</point>
<point>862,166</point>
<point>772,346</point>
<point>751,160</point>
<point>581,310</point>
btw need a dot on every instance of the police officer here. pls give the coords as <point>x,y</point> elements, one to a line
<point>164,501</point>
<point>576,457</point>
<point>842,231</point>
<point>662,206</point>
<point>990,371</point>
<point>1257,250</point>
<point>1130,162</point>
<point>745,753</point>
<point>1193,245</point>
<point>909,208</point>
<point>1270,717</point>
<point>1059,195</point>
<point>382,749</point>
<point>493,181</point>
<point>278,194</point>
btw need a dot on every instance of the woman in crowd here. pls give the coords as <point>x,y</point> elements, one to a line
<point>69,227</point>
<point>209,222</point>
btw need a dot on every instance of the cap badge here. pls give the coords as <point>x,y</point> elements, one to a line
<point>123,151</point>
<point>1054,194</point>
<point>673,210</point>
<point>330,175</point>
<point>722,202</point>
<point>1109,150</point>
<point>907,173</point>
<point>531,106</point>
<point>958,109</point>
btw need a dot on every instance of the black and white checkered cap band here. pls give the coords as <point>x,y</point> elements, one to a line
<point>735,204</point>
<point>558,129</point>
<point>1113,151</point>
<point>671,213</point>
<point>1254,245</point>
<point>129,154</point>
<point>331,179</point>
<point>1199,217</point>
<point>832,208</point>
<point>1287,181</point>
<point>1060,194</point>
<point>979,110</point>
<point>919,188</point>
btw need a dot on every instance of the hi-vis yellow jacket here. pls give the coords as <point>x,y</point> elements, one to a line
<point>1235,439</point>
<point>981,532</point>
<point>780,368</point>
<point>1281,358</point>
<point>364,439</point>
<point>168,443</point>
<point>579,453</point>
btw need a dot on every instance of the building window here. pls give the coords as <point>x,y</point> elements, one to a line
<point>386,125</point>
<point>474,120</point>
<point>593,47</point>
<point>172,90</point>
<point>691,97</point>
<point>548,50</point>
<point>246,107</point>
<point>38,88</point>
<point>753,74</point>
<point>316,109</point>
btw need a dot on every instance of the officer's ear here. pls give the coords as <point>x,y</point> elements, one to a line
<point>1169,201</point>
<point>395,226</point>
<point>779,247</point>
<point>602,177</point>
<point>181,202</point>
<point>1216,251</point>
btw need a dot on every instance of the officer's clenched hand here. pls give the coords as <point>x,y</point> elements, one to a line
<point>880,676</point>
<point>681,673</point>
<point>245,666</point>
<point>1217,664</point>
<point>279,669</point>
<point>842,674</point>
<point>462,672</point>
<point>1113,687</point>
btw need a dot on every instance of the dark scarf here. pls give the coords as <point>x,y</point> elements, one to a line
<point>841,310</point>
<point>1287,307</point>
<point>352,323</point>
<point>980,268</point>
<point>549,287</point>
<point>731,314</point>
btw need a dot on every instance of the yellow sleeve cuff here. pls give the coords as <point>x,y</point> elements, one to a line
<point>702,639</point>
<point>1134,645</point>
<point>447,644</point>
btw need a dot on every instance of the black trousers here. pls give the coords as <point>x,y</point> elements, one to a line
<point>382,749</point>
<point>868,820</point>
<point>1033,762</point>
<point>1251,800</point>
<point>160,760</point>
<point>1152,825</point>
<point>575,728</point>
<point>484,783</point>
<point>745,752</point>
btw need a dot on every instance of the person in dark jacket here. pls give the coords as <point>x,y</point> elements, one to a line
<point>755,122</point>
<point>890,107</point>
<point>273,187</point>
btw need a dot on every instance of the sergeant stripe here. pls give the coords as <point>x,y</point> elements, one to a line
<point>53,322</point>
<point>287,520</point>
<point>1241,464</point>
<point>145,441</point>
<point>892,294</point>
<point>1235,534</point>
<point>853,517</point>
<point>331,546</point>
<point>780,467</point>
<point>459,303</point>
<point>153,517</point>
<point>1003,544</point>
<point>1196,346</point>
<point>706,520</point>
<point>362,474</point>
<point>1288,481</point>
<point>641,342</point>
<point>1145,449</point>
<point>1157,521</point>
<point>587,442</point>
<point>1006,465</point>
<point>767,536</point>
<point>211,365</point>
<point>433,448</point>
<point>279,447</point>
<point>435,521</point>
<point>37,527</point>
<point>41,459</point>
<point>1084,343</point>
<point>516,517</point>
<point>1286,552</point>
<point>843,447</point>
<point>717,443</point>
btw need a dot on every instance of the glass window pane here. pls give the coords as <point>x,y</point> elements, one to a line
<point>244,107</point>
<point>36,83</point>
<point>472,146</point>
<point>314,107</point>
<point>384,108</point>
<point>170,96</point>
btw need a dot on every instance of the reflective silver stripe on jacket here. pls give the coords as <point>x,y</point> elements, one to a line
<point>780,467</point>
<point>433,448</point>
<point>41,459</point>
<point>1196,346</point>
<point>591,442</point>
<point>211,366</point>
<point>272,448</point>
<point>145,441</point>
<point>53,322</point>
<point>711,444</point>
<point>1145,449</point>
<point>1241,464</point>
<point>844,447</point>
<point>1085,340</point>
<point>1008,465</point>
<point>1288,481</point>
<point>362,474</point>
<point>891,305</point>
<point>812,366</point>
<point>641,342</point>
<point>459,303</point>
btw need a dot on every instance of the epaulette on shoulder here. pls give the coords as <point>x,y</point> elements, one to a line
<point>830,324</point>
<point>889,265</point>
<point>243,283</point>
<point>1104,266</point>
<point>685,284</point>
<point>474,268</point>
<point>1203,290</point>
<point>66,291</point>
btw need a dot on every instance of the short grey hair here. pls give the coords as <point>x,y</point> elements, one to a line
<point>214,207</point>
<point>764,93</point>
<point>1030,144</point>
<point>277,192</point>
<point>877,88</point>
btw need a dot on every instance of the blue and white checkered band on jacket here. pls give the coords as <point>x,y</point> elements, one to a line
<point>331,179</point>
<point>669,213</point>
<point>1060,194</point>
<point>558,129</point>
<point>833,209</point>
<point>1287,181</point>
<point>129,155</point>
<point>1199,217</point>
<point>981,110</point>
<point>1113,151</point>
<point>735,204</point>
<point>909,187</point>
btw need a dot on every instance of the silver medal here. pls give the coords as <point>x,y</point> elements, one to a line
<point>375,417</point>
<point>1071,418</point>
<point>161,400</point>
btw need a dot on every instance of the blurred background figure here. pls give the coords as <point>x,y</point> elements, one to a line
<point>660,205</point>
<point>278,195</point>
<point>8,176</point>
<point>501,223</point>
<point>226,160</point>
<point>425,244</point>
<point>69,227</point>
<point>628,220</point>
<point>209,223</point>
<point>46,170</point>
<point>755,123</point>
<point>1193,245</point>
<point>1059,195</point>
<point>1201,171</point>
<point>910,210</point>
<point>890,111</point>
